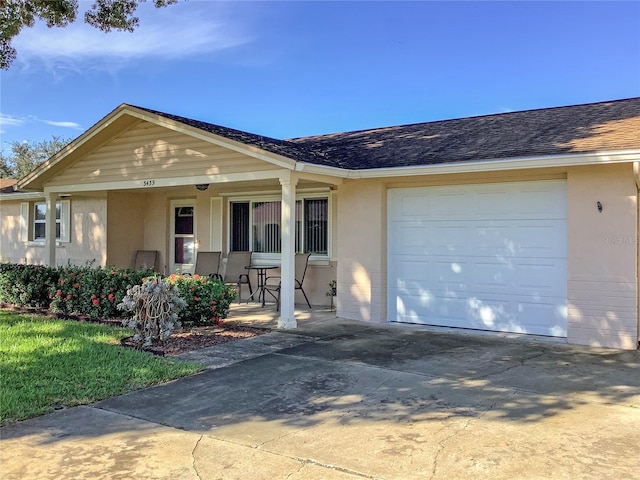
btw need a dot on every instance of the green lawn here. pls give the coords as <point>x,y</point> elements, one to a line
<point>47,364</point>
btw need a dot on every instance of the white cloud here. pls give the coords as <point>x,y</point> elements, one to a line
<point>15,121</point>
<point>10,120</point>
<point>177,31</point>
<point>74,125</point>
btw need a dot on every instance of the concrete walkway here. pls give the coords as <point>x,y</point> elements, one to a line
<point>342,400</point>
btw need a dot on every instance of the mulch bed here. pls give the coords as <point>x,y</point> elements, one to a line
<point>186,340</point>
<point>182,340</point>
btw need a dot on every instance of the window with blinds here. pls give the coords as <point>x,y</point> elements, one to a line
<point>258,224</point>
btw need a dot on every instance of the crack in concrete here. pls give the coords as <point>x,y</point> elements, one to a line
<point>193,457</point>
<point>302,464</point>
<point>442,445</point>
<point>303,461</point>
<point>308,461</point>
<point>520,363</point>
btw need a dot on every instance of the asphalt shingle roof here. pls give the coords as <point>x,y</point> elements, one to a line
<point>595,127</point>
<point>280,147</point>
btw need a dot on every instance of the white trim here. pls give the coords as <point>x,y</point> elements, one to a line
<point>253,193</point>
<point>28,218</point>
<point>216,223</point>
<point>25,215</point>
<point>142,184</point>
<point>21,196</point>
<point>261,258</point>
<point>185,267</point>
<point>288,200</point>
<point>544,161</point>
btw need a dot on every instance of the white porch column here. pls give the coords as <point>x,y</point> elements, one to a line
<point>50,229</point>
<point>287,265</point>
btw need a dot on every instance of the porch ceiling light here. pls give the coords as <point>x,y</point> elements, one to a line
<point>202,186</point>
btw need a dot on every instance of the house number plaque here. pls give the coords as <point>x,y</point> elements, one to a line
<point>148,183</point>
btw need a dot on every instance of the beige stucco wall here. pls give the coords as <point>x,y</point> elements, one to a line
<point>88,238</point>
<point>602,256</point>
<point>125,227</point>
<point>602,248</point>
<point>361,275</point>
<point>156,228</point>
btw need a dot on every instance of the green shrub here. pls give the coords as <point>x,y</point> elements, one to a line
<point>94,292</point>
<point>208,301</point>
<point>26,285</point>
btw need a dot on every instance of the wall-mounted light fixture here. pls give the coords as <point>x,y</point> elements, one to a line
<point>599,205</point>
<point>202,186</point>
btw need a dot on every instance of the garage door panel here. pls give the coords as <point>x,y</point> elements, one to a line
<point>447,203</point>
<point>476,312</point>
<point>490,202</point>
<point>541,199</point>
<point>495,259</point>
<point>411,238</point>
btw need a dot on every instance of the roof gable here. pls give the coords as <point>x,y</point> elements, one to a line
<point>119,121</point>
<point>150,151</point>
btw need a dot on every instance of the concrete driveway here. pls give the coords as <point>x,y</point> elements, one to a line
<point>342,400</point>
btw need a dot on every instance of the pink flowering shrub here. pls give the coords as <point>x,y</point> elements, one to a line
<point>208,301</point>
<point>94,292</point>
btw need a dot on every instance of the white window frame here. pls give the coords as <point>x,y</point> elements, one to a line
<point>29,221</point>
<point>270,258</point>
<point>184,267</point>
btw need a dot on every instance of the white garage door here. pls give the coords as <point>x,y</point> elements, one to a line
<point>489,256</point>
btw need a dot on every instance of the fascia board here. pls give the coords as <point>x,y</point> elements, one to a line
<point>505,164</point>
<point>323,170</point>
<point>21,196</point>
<point>142,184</point>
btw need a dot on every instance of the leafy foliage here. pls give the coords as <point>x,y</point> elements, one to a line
<point>26,285</point>
<point>97,292</point>
<point>208,300</point>
<point>94,292</point>
<point>105,15</point>
<point>26,156</point>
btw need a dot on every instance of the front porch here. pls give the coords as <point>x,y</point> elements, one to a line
<point>254,315</point>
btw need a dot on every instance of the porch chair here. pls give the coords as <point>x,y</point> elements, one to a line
<point>146,259</point>
<point>208,264</point>
<point>301,264</point>
<point>235,273</point>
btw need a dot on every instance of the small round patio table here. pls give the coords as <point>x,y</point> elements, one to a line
<point>261,270</point>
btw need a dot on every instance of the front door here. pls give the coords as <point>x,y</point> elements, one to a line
<point>183,237</point>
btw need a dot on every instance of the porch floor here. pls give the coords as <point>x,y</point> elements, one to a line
<point>255,315</point>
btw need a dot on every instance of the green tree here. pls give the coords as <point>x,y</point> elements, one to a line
<point>25,156</point>
<point>105,15</point>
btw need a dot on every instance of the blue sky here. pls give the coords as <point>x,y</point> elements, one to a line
<point>289,69</point>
